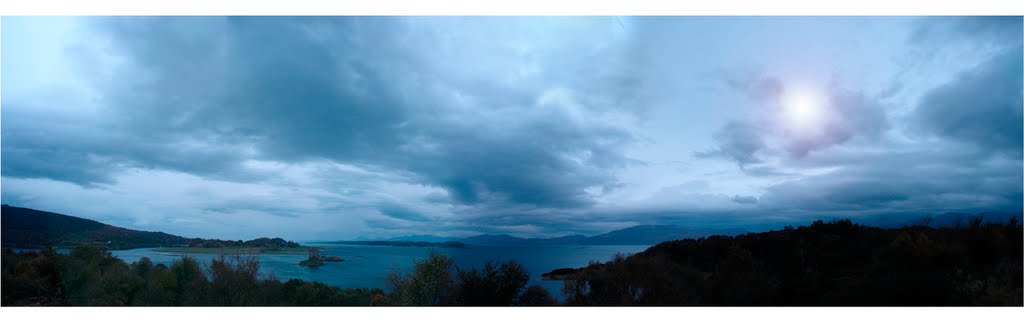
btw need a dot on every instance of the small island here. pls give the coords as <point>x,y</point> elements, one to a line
<point>561,274</point>
<point>317,260</point>
<point>256,246</point>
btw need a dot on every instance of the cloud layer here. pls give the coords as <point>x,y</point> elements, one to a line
<point>532,126</point>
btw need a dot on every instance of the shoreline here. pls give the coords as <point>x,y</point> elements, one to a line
<point>232,250</point>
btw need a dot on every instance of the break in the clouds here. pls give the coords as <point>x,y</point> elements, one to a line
<point>341,127</point>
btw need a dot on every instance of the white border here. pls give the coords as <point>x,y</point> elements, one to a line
<point>514,7</point>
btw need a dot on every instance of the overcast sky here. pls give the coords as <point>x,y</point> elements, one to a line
<point>336,128</point>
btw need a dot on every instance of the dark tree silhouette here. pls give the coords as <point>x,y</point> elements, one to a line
<point>493,286</point>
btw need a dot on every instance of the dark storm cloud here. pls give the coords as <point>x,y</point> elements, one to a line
<point>744,199</point>
<point>522,126</point>
<point>540,162</point>
<point>764,171</point>
<point>954,178</point>
<point>994,30</point>
<point>398,211</point>
<point>202,95</point>
<point>737,141</point>
<point>264,81</point>
<point>43,145</point>
<point>759,89</point>
<point>31,150</point>
<point>982,105</point>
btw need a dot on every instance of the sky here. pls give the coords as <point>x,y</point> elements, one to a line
<point>314,128</point>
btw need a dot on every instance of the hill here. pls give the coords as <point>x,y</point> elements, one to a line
<point>508,240</point>
<point>836,263</point>
<point>493,240</point>
<point>30,228</point>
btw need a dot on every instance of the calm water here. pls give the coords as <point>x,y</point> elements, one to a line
<point>368,266</point>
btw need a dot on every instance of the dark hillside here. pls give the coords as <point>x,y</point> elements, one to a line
<point>30,228</point>
<point>837,263</point>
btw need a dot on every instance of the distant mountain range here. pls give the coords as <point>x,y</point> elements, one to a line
<point>422,238</point>
<point>653,234</point>
<point>636,235</point>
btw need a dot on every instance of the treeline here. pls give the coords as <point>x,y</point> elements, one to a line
<point>269,243</point>
<point>91,276</point>
<point>835,264</point>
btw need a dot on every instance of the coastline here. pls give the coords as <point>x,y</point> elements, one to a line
<point>232,250</point>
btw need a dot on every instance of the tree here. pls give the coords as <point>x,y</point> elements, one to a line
<point>536,295</point>
<point>494,286</point>
<point>190,283</point>
<point>234,280</point>
<point>429,283</point>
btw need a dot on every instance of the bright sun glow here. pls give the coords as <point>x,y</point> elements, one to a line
<point>802,110</point>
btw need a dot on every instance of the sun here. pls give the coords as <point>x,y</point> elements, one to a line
<point>802,110</point>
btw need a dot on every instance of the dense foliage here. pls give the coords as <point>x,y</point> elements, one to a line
<point>268,243</point>
<point>92,276</point>
<point>837,263</point>
<point>437,281</point>
<point>494,285</point>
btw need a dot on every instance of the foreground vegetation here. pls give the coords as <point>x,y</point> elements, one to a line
<point>837,263</point>
<point>92,276</point>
